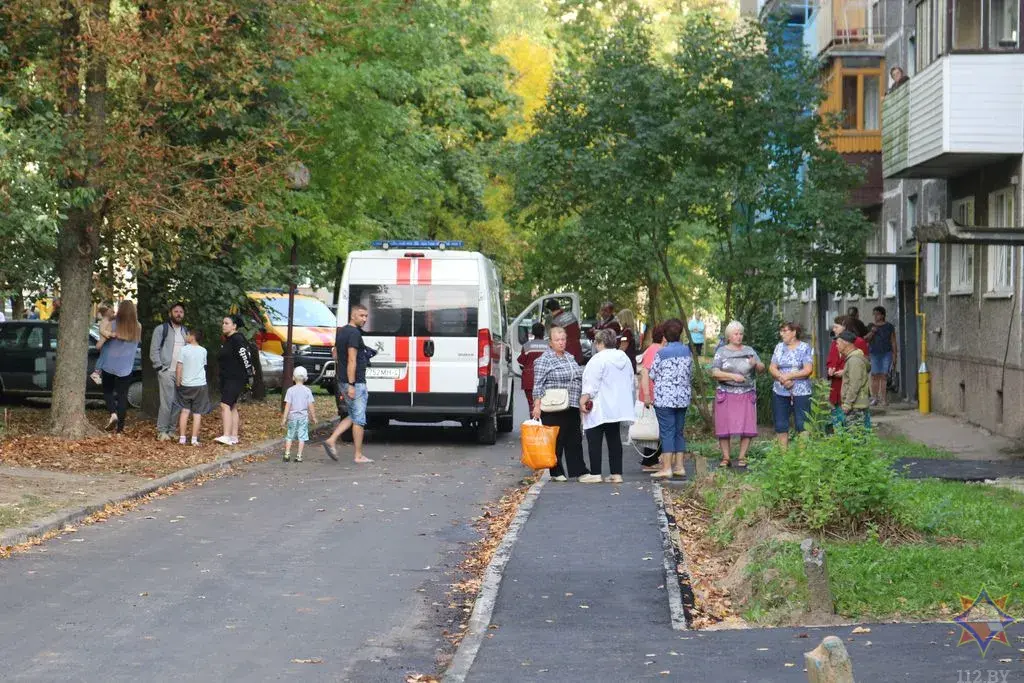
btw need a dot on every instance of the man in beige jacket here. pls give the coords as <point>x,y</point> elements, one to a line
<point>855,395</point>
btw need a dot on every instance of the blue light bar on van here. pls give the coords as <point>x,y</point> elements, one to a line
<point>418,244</point>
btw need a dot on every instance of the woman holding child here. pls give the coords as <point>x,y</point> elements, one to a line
<point>117,360</point>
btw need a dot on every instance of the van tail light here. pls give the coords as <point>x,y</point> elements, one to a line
<point>483,352</point>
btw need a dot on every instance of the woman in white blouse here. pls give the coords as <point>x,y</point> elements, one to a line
<point>606,403</point>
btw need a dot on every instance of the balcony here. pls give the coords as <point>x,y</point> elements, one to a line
<point>844,27</point>
<point>963,111</point>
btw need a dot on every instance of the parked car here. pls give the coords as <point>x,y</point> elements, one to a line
<point>28,358</point>
<point>273,369</point>
<point>313,330</point>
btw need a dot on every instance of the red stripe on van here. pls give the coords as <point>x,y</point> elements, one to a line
<point>405,271</point>
<point>422,367</point>
<point>425,273</point>
<point>402,356</point>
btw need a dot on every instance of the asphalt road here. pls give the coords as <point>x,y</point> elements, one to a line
<point>233,580</point>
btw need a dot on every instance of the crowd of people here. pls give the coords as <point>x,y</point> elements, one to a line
<point>600,396</point>
<point>180,361</point>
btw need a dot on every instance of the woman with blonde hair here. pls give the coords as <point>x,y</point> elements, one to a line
<point>117,362</point>
<point>628,336</point>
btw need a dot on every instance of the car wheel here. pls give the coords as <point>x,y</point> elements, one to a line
<point>487,430</point>
<point>506,421</point>
<point>135,394</point>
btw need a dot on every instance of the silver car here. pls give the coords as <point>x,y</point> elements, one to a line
<point>272,365</point>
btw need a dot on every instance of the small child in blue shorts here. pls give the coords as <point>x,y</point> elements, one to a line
<point>298,409</point>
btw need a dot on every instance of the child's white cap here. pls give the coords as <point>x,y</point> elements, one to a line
<point>300,374</point>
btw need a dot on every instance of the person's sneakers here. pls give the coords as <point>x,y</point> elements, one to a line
<point>873,401</point>
<point>234,441</point>
<point>226,440</point>
<point>182,441</point>
<point>164,436</point>
<point>286,457</point>
<point>196,442</point>
<point>614,479</point>
<point>298,458</point>
<point>662,474</point>
<point>560,477</point>
<point>590,479</point>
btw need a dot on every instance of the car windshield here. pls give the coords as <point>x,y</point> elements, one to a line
<point>308,312</point>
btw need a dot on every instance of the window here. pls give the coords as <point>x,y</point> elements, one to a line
<point>872,100</point>
<point>911,55</point>
<point>1003,24</point>
<point>871,270</point>
<point>861,96</point>
<point>940,28</point>
<point>911,215</point>
<point>967,24</point>
<point>447,311</point>
<point>932,259</point>
<point>389,308</point>
<point>850,102</point>
<point>308,312</point>
<point>925,34</point>
<point>1000,258</point>
<point>891,242</point>
<point>961,272</point>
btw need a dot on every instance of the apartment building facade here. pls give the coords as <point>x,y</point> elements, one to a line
<point>953,144</point>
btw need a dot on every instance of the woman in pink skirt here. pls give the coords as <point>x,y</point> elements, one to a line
<point>736,398</point>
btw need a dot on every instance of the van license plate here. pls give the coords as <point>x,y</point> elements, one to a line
<point>383,373</point>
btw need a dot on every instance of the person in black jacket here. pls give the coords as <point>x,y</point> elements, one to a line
<point>236,371</point>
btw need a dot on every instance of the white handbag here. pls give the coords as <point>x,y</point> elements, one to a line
<point>646,426</point>
<point>554,401</point>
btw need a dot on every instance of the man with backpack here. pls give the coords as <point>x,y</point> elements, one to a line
<point>167,343</point>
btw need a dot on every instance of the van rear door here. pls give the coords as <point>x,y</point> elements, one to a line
<point>445,330</point>
<point>519,330</point>
<point>384,286</point>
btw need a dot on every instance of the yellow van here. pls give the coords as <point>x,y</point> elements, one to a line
<point>313,330</point>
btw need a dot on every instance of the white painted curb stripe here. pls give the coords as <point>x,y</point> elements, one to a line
<point>484,608</point>
<point>675,596</point>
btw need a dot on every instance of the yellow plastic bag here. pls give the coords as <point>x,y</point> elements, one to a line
<point>538,445</point>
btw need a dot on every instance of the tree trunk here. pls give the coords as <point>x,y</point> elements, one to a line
<point>701,382</point>
<point>78,238</point>
<point>150,315</point>
<point>18,306</point>
<point>75,256</point>
<point>653,291</point>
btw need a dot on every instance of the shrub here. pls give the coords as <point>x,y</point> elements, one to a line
<point>839,482</point>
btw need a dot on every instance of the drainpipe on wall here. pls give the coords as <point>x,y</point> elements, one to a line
<point>924,378</point>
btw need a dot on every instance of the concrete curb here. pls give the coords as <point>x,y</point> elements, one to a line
<point>672,578</point>
<point>480,619</point>
<point>65,517</point>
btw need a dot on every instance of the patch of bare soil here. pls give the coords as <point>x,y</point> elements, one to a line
<point>717,572</point>
<point>29,494</point>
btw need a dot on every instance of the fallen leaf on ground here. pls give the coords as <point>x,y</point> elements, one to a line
<point>861,629</point>
<point>311,660</point>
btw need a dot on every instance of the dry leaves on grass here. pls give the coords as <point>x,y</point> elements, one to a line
<point>712,604</point>
<point>136,452</point>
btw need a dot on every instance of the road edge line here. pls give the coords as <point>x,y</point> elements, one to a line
<point>672,579</point>
<point>59,520</point>
<point>480,619</point>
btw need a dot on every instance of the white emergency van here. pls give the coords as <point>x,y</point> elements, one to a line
<point>436,318</point>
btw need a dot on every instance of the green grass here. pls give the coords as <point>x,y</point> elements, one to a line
<point>901,447</point>
<point>30,507</point>
<point>973,538</point>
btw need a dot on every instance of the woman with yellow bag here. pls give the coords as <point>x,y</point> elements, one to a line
<point>557,384</point>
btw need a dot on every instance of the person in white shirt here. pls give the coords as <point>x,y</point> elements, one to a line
<point>299,407</point>
<point>606,403</point>
<point>191,396</point>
